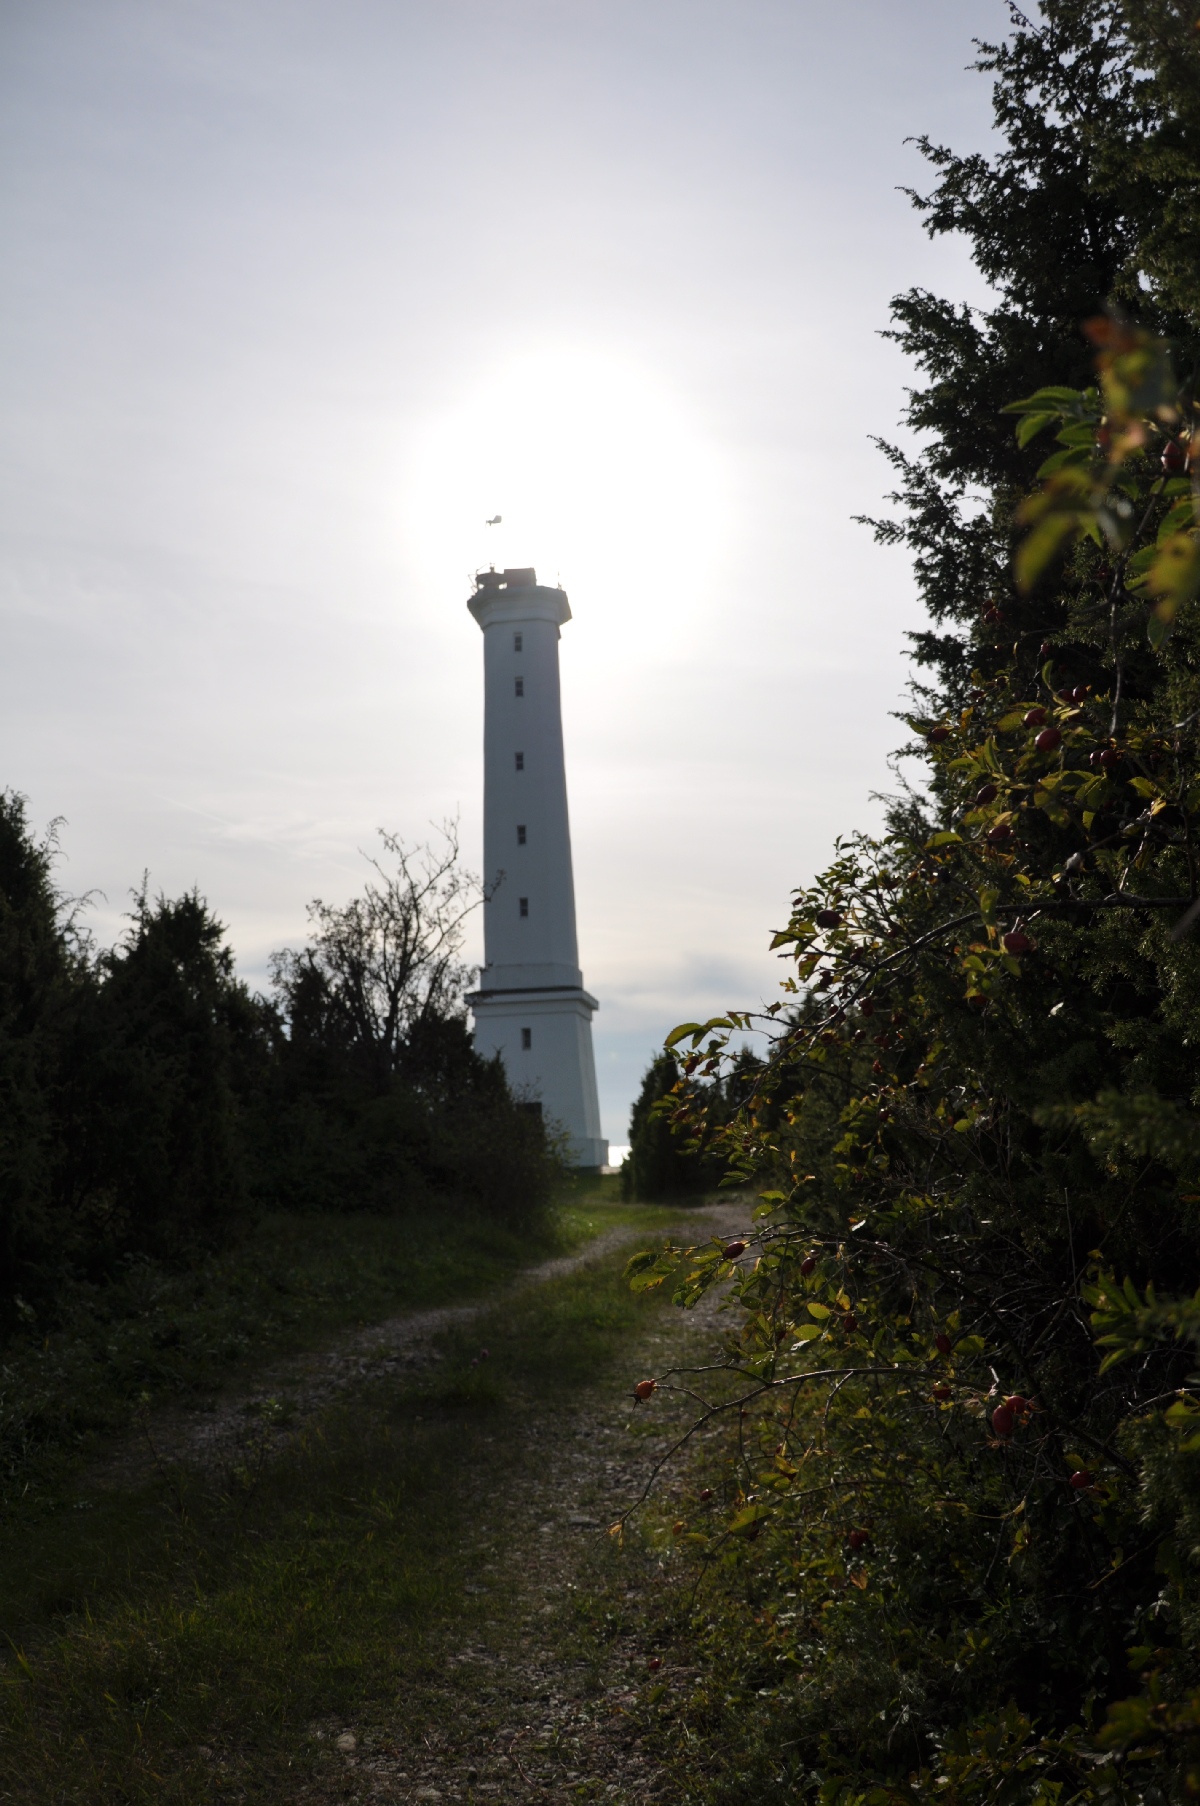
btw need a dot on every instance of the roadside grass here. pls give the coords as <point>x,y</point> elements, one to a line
<point>155,1334</point>
<point>206,1627</point>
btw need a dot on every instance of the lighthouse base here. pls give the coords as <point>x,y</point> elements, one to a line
<point>543,1035</point>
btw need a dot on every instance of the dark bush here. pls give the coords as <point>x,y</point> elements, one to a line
<point>149,1103</point>
<point>664,1162</point>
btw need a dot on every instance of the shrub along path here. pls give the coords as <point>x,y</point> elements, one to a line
<point>385,1576</point>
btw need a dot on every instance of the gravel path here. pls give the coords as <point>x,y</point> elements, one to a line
<point>526,1704</point>
<point>541,1690</point>
<point>258,1422</point>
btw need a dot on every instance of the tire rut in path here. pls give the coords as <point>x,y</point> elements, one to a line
<point>524,1704</point>
<point>249,1425</point>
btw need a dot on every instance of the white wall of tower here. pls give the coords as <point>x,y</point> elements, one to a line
<point>531,1007</point>
<point>556,1068</point>
<point>525,787</point>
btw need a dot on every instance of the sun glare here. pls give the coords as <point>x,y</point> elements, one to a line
<point>601,480</point>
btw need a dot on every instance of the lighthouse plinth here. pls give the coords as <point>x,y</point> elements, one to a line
<point>531,1007</point>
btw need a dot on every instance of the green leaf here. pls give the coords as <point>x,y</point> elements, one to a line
<point>1031,425</point>
<point>1056,460</point>
<point>1042,544</point>
<point>1054,400</point>
<point>1175,573</point>
<point>1176,519</point>
<point>697,1030</point>
<point>1159,630</point>
<point>750,1514</point>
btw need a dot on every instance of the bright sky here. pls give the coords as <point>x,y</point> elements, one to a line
<point>299,292</point>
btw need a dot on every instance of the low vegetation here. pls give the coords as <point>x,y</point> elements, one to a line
<point>214,1627</point>
<point>948,1546</point>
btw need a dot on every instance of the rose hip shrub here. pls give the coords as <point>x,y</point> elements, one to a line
<point>953,1544</point>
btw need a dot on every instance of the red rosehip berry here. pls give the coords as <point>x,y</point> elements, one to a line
<point>1110,758</point>
<point>1174,458</point>
<point>1035,717</point>
<point>808,1265</point>
<point>1079,694</point>
<point>1003,1421</point>
<point>1017,942</point>
<point>1048,739</point>
<point>733,1249</point>
<point>942,1343</point>
<point>867,1006</point>
<point>705,1494</point>
<point>849,1321</point>
<point>1045,649</point>
<point>857,1538</point>
<point>645,1389</point>
<point>938,734</point>
<point>1080,1480</point>
<point>1001,831</point>
<point>828,918</point>
<point>654,1664</point>
<point>987,793</point>
<point>943,1394</point>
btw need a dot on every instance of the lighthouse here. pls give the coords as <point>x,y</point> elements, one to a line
<point>531,1007</point>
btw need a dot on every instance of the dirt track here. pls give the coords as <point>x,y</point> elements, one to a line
<point>527,1710</point>
<point>258,1421</point>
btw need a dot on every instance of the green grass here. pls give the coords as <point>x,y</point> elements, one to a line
<point>154,1334</point>
<point>207,1625</point>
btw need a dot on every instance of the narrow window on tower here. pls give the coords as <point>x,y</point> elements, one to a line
<point>520,833</point>
<point>520,761</point>
<point>526,1039</point>
<point>524,902</point>
<point>520,686</point>
<point>517,640</point>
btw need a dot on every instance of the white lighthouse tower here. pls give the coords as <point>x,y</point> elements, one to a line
<point>531,1007</point>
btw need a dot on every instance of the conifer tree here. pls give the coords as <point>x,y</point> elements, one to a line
<point>968,1446</point>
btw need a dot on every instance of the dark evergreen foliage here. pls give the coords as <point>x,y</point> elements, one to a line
<point>959,1535</point>
<point>149,1103</point>
<point>35,975</point>
<point>671,1137</point>
<point>659,1164</point>
<point>1086,204</point>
